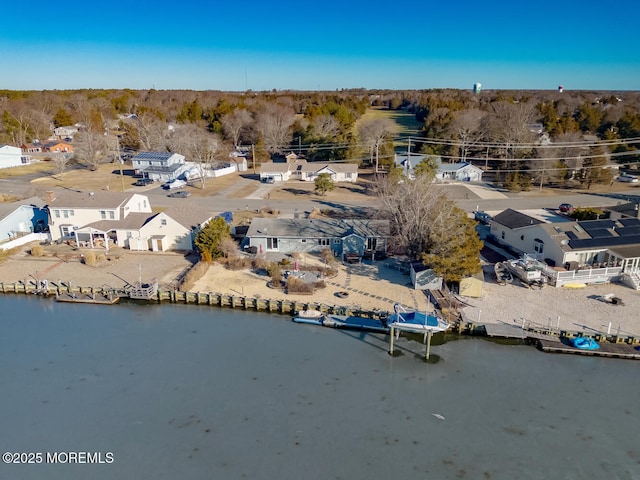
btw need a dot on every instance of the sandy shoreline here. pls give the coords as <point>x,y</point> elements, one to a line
<point>370,286</point>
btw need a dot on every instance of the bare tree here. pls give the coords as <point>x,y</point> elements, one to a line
<point>235,123</point>
<point>274,123</point>
<point>374,133</point>
<point>61,160</point>
<point>92,148</point>
<point>325,127</point>
<point>467,128</point>
<point>509,124</point>
<point>411,207</point>
<point>199,147</point>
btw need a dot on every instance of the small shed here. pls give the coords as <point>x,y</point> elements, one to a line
<point>472,286</point>
<point>424,278</point>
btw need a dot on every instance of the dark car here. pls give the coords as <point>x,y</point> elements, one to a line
<point>141,182</point>
<point>566,207</point>
<point>482,217</point>
<point>179,194</point>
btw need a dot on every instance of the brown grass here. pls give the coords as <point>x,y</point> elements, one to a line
<point>194,274</point>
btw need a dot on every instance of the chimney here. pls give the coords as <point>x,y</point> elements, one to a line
<point>49,196</point>
<point>637,210</point>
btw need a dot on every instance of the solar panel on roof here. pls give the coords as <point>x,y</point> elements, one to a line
<point>630,222</point>
<point>571,235</point>
<point>600,233</point>
<point>628,231</point>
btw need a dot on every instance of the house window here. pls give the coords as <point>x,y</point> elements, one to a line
<point>324,241</point>
<point>348,175</point>
<point>538,245</point>
<point>502,235</point>
<point>56,213</point>
<point>103,214</point>
<point>65,213</point>
<point>163,221</point>
<point>336,241</point>
<point>372,243</point>
<point>112,215</point>
<point>272,243</point>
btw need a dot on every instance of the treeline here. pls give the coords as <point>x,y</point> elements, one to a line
<point>524,136</point>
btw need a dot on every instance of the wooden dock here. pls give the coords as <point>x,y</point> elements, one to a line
<point>504,330</point>
<point>98,299</point>
<point>607,349</point>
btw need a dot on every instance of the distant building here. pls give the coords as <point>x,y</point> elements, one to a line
<point>560,89</point>
<point>12,157</point>
<point>477,87</point>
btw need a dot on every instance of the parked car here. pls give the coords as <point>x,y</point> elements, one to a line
<point>141,182</point>
<point>566,208</point>
<point>483,217</point>
<point>628,178</point>
<point>268,180</point>
<point>179,194</point>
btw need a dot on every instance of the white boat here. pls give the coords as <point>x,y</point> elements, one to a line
<point>417,322</point>
<point>313,317</point>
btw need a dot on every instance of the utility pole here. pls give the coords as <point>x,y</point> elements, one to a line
<point>253,156</point>
<point>119,160</point>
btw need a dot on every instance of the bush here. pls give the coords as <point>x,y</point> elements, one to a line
<point>194,274</point>
<point>295,285</point>
<point>239,263</point>
<point>37,251</point>
<point>260,263</point>
<point>90,259</point>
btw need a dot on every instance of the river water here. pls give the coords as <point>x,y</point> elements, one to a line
<point>186,392</point>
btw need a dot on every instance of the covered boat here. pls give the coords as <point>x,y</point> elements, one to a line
<point>313,317</point>
<point>414,321</point>
<point>584,343</point>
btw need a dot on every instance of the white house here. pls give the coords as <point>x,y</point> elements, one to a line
<point>570,245</point>
<point>71,214</point>
<point>339,172</point>
<point>159,166</point>
<point>279,171</point>
<point>12,157</point>
<point>173,229</point>
<point>461,171</point>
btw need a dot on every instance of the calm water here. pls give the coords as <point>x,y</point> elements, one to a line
<point>178,392</point>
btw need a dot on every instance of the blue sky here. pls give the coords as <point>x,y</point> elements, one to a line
<point>326,45</point>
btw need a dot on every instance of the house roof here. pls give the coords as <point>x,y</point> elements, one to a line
<point>154,156</point>
<point>336,167</point>
<point>98,199</point>
<point>6,208</point>
<point>133,221</point>
<point>317,228</point>
<point>628,209</point>
<point>513,219</point>
<point>275,167</point>
<point>188,215</point>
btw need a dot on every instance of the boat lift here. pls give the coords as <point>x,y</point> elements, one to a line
<point>414,322</point>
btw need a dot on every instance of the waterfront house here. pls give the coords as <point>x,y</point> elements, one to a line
<point>72,212</point>
<point>611,245</point>
<point>172,229</point>
<point>345,238</point>
<point>22,222</point>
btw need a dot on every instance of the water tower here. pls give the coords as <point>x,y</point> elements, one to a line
<point>560,89</point>
<point>477,87</point>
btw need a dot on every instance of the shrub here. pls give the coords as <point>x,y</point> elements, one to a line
<point>90,258</point>
<point>295,285</point>
<point>238,263</point>
<point>37,251</point>
<point>101,258</point>
<point>194,274</point>
<point>260,263</point>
